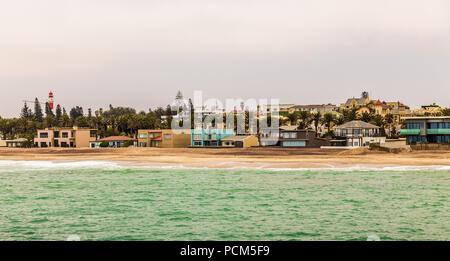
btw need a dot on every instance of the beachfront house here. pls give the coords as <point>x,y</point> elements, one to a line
<point>17,143</point>
<point>301,138</point>
<point>164,138</point>
<point>65,137</point>
<point>113,142</point>
<point>427,130</point>
<point>209,137</point>
<point>357,134</point>
<point>240,141</point>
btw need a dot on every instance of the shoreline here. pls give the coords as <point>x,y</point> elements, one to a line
<point>254,158</point>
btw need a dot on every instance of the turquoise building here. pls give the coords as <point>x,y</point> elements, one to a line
<point>209,137</point>
<point>427,129</point>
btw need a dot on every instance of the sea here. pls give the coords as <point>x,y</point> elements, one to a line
<point>95,200</point>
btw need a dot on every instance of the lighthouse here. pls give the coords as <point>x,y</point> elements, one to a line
<point>50,99</point>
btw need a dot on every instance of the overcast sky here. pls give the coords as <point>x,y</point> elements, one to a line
<point>140,52</point>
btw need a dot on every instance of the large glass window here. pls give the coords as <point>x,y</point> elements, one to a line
<point>142,136</point>
<point>167,136</point>
<point>65,134</point>
<point>414,125</point>
<point>293,135</point>
<point>43,135</point>
<point>93,133</point>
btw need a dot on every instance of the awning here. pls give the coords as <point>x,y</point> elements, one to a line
<point>158,138</point>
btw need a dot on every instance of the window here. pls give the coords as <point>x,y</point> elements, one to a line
<point>167,136</point>
<point>43,135</point>
<point>65,135</point>
<point>285,135</point>
<point>414,125</point>
<point>93,133</point>
<point>56,134</point>
<point>143,144</point>
<point>293,135</point>
<point>197,136</point>
<point>152,135</point>
<point>142,136</point>
<point>294,144</point>
<point>197,143</point>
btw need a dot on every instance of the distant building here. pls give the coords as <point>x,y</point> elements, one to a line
<point>322,108</point>
<point>427,129</point>
<point>209,137</point>
<point>16,143</point>
<point>164,138</point>
<point>113,141</point>
<point>240,141</point>
<point>357,134</point>
<point>428,110</point>
<point>65,137</point>
<point>356,103</point>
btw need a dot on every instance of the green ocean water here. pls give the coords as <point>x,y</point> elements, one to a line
<point>47,201</point>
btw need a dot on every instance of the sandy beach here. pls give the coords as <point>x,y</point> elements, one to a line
<point>234,157</point>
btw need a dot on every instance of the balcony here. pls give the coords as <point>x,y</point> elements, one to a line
<point>438,131</point>
<point>410,131</point>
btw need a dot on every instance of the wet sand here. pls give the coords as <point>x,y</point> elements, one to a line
<point>234,157</point>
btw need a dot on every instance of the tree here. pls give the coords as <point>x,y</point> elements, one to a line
<point>293,117</point>
<point>58,112</point>
<point>446,112</point>
<point>26,112</point>
<point>389,119</point>
<point>329,119</point>
<point>366,117</point>
<point>316,119</point>
<point>76,112</point>
<point>38,111</point>
<point>305,119</point>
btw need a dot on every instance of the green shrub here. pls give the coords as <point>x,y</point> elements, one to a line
<point>104,144</point>
<point>128,143</point>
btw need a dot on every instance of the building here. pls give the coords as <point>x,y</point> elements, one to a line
<point>427,129</point>
<point>16,143</point>
<point>65,137</point>
<point>279,108</point>
<point>240,141</point>
<point>209,137</point>
<point>113,142</point>
<point>269,136</point>
<point>356,103</point>
<point>322,108</point>
<point>301,138</point>
<point>164,138</point>
<point>426,110</point>
<point>357,134</point>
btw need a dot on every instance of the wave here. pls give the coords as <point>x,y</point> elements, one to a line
<point>7,164</point>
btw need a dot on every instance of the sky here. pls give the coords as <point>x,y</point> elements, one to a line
<point>139,53</point>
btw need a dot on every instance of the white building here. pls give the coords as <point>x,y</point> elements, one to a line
<point>357,134</point>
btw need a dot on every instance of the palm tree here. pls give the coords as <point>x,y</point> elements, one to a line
<point>304,118</point>
<point>389,119</point>
<point>292,118</point>
<point>328,119</point>
<point>316,118</point>
<point>366,117</point>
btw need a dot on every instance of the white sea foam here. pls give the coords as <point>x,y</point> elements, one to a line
<point>38,164</point>
<point>6,164</point>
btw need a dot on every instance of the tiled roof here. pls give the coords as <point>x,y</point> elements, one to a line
<point>357,124</point>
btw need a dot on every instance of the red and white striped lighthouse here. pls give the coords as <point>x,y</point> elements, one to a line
<point>50,99</point>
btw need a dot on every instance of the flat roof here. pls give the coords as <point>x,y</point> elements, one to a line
<point>427,118</point>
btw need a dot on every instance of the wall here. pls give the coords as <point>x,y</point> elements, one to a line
<point>83,138</point>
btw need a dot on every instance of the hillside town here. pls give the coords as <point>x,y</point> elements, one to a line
<point>357,122</point>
